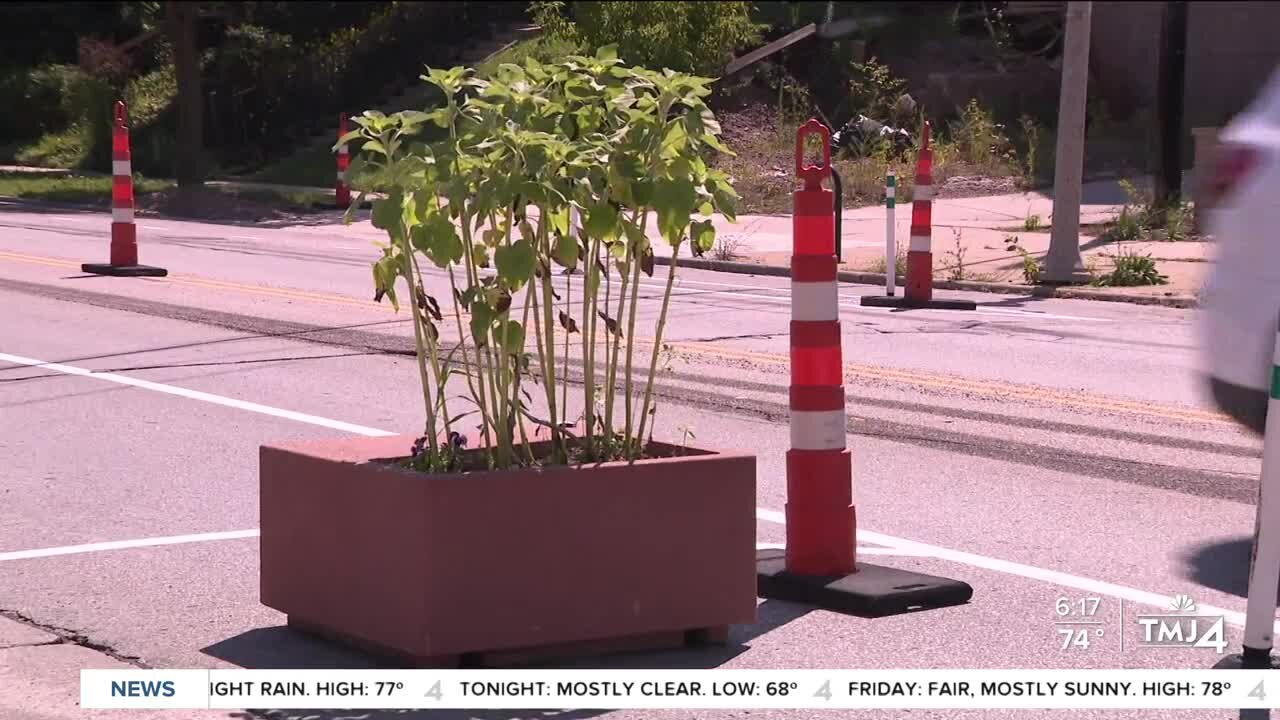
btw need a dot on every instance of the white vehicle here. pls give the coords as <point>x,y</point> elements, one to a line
<point>1241,296</point>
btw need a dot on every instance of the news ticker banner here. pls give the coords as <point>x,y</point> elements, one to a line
<point>678,689</point>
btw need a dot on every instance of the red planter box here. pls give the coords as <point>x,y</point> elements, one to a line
<point>431,568</point>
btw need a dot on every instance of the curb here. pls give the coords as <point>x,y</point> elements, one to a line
<point>863,278</point>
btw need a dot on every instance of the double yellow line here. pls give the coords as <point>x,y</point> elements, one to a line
<point>853,371</point>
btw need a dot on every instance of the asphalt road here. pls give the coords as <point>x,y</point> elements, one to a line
<point>1036,449</point>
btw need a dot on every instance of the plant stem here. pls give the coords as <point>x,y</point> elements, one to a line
<point>612,389</point>
<point>657,341</point>
<point>631,328</point>
<point>406,250</point>
<point>588,331</point>
<point>547,310</point>
<point>433,345</point>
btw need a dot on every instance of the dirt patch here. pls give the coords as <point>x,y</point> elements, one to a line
<point>963,186</point>
<point>216,205</point>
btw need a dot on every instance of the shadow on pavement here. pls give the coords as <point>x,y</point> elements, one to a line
<point>1222,565</point>
<point>280,648</point>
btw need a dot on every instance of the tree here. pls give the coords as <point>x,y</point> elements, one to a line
<point>181,19</point>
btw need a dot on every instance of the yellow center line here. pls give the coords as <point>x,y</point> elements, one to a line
<point>852,370</point>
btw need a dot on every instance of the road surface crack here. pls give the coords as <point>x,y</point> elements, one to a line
<point>67,636</point>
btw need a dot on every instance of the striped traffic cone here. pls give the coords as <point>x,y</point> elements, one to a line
<point>342,191</point>
<point>918,292</point>
<point>919,289</point>
<point>819,563</point>
<point>124,233</point>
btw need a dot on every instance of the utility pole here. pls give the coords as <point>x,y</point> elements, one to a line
<point>1063,263</point>
<point>1173,63</point>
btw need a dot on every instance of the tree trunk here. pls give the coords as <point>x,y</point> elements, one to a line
<point>181,17</point>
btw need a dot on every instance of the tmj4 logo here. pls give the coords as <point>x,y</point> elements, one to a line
<point>1183,627</point>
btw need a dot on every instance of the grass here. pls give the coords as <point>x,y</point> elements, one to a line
<point>70,189</point>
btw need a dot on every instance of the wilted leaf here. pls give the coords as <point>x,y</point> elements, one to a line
<point>610,323</point>
<point>646,262</point>
<point>568,323</point>
<point>503,303</point>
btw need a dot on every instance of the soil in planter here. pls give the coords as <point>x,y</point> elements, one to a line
<point>455,458</point>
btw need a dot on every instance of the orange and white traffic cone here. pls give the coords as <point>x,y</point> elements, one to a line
<point>819,563</point>
<point>342,191</point>
<point>124,233</point>
<point>918,292</point>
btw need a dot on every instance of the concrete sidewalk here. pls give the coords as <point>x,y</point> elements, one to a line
<point>971,236</point>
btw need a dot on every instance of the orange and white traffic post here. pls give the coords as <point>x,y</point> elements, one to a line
<point>124,232</point>
<point>342,191</point>
<point>819,563</point>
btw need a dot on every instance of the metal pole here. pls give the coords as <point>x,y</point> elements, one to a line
<point>1264,574</point>
<point>890,242</point>
<point>1063,263</point>
<point>1173,52</point>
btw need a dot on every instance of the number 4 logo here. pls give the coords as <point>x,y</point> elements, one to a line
<point>824,692</point>
<point>1257,692</point>
<point>434,692</point>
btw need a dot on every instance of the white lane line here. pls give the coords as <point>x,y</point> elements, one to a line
<point>126,544</point>
<point>197,395</point>
<point>774,516</point>
<point>1031,572</point>
<point>897,552</point>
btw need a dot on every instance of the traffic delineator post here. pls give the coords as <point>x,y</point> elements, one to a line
<point>342,191</point>
<point>918,292</point>
<point>1264,568</point>
<point>819,564</point>
<point>124,232</point>
<point>890,239</point>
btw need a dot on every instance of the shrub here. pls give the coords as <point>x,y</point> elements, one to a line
<point>39,92</point>
<point>618,144</point>
<point>1131,269</point>
<point>697,37</point>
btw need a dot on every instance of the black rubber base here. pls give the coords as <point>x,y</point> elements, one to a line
<point>902,302</point>
<point>123,270</point>
<point>1248,660</point>
<point>872,591</point>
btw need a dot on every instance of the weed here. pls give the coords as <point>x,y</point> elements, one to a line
<point>726,248</point>
<point>980,141</point>
<point>1130,269</point>
<point>1031,136</point>
<point>1031,224</point>
<point>877,266</point>
<point>957,255</point>
<point>1030,265</point>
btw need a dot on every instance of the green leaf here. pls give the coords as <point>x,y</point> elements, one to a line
<point>703,234</point>
<point>566,251</point>
<point>482,317</point>
<point>515,263</point>
<point>602,221</point>
<point>674,199</point>
<point>607,53</point>
<point>374,146</point>
<point>480,255</point>
<point>512,336</point>
<point>386,213</point>
<point>385,273</point>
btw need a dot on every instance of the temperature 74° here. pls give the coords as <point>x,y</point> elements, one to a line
<point>1078,637</point>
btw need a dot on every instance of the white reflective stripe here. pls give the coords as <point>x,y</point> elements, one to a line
<point>920,243</point>
<point>817,430</point>
<point>340,174</point>
<point>342,150</point>
<point>922,192</point>
<point>121,167</point>
<point>890,191</point>
<point>815,301</point>
<point>122,215</point>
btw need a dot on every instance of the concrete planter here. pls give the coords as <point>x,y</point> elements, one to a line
<point>442,570</point>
